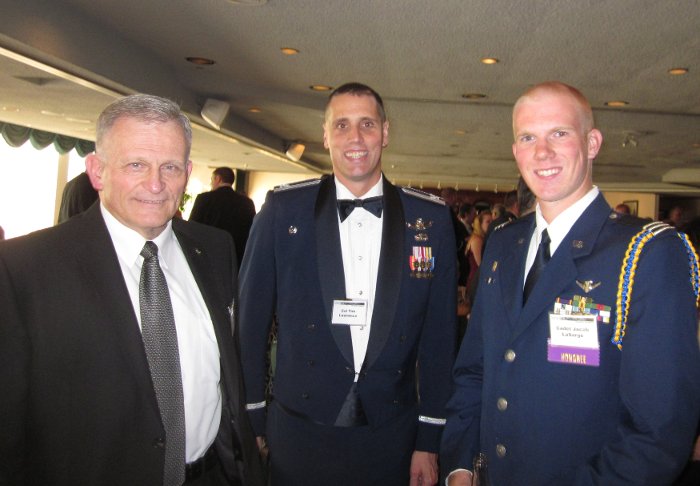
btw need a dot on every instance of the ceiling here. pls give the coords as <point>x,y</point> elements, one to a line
<point>62,62</point>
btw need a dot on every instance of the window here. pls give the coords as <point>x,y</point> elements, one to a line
<point>28,186</point>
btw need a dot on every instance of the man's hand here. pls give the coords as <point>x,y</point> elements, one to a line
<point>461,477</point>
<point>424,469</point>
<point>262,447</point>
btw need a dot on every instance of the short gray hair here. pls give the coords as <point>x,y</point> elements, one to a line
<point>146,108</point>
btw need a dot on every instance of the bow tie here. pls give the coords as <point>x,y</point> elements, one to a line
<point>371,204</point>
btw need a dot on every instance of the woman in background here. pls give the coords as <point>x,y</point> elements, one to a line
<point>475,249</point>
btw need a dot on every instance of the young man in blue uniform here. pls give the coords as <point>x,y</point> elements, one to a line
<point>545,384</point>
<point>361,277</point>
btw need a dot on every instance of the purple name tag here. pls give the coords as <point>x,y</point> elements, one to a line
<point>573,355</point>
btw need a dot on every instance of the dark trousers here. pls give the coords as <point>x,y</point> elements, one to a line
<point>213,476</point>
<point>304,453</point>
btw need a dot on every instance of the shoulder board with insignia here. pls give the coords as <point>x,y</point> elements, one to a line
<point>503,225</point>
<point>629,267</point>
<point>628,220</point>
<point>296,185</point>
<point>423,195</point>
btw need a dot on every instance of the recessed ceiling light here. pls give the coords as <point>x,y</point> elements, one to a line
<point>320,87</point>
<point>200,61</point>
<point>489,60</point>
<point>254,109</point>
<point>617,103</point>
<point>460,132</point>
<point>473,96</point>
<point>678,71</point>
<point>10,108</point>
<point>289,51</point>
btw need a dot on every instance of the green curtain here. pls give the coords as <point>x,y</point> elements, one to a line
<point>16,136</point>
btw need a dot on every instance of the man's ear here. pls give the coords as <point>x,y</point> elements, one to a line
<point>94,169</point>
<point>595,141</point>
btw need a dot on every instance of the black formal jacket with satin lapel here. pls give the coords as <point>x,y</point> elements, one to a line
<point>78,406</point>
<point>293,269</point>
<point>631,419</point>
<point>228,210</point>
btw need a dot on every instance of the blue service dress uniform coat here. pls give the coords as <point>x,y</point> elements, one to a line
<point>630,420</point>
<point>293,270</point>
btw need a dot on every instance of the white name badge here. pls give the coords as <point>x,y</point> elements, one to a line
<point>579,331</point>
<point>350,312</point>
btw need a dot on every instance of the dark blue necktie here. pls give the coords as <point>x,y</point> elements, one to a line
<point>541,259</point>
<point>371,204</point>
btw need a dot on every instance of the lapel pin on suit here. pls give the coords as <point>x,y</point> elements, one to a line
<point>293,230</point>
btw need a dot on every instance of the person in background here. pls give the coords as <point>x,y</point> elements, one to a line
<point>675,216</point>
<point>361,276</point>
<point>526,199</point>
<point>226,209</point>
<point>554,383</point>
<point>475,245</point>
<point>78,195</point>
<point>623,209</point>
<point>466,216</point>
<point>117,363</point>
<point>506,213</point>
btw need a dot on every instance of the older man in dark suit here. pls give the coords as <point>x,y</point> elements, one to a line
<point>361,276</point>
<point>117,362</point>
<point>226,209</point>
<point>581,363</point>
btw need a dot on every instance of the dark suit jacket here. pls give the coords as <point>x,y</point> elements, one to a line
<point>78,406</point>
<point>293,269</point>
<point>228,210</point>
<point>630,420</point>
<point>78,195</point>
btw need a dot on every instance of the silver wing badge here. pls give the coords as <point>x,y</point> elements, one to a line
<point>588,285</point>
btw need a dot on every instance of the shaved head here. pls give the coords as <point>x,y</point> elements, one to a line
<point>557,87</point>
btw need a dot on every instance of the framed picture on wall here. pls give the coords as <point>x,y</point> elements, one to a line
<point>633,205</point>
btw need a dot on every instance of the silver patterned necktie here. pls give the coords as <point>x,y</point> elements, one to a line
<point>160,341</point>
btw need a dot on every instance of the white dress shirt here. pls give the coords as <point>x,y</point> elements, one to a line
<point>361,243</point>
<point>199,352</point>
<point>558,228</point>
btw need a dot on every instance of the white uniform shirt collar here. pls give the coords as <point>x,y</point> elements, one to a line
<point>343,192</point>
<point>129,243</point>
<point>562,224</point>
